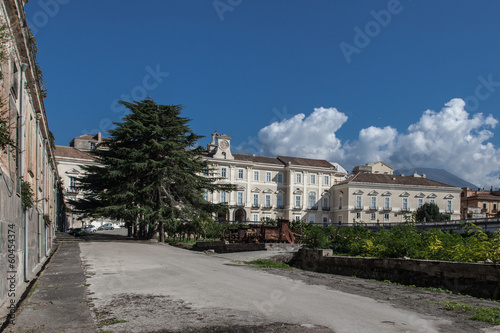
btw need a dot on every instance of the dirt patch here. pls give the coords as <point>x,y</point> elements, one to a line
<point>161,314</point>
<point>410,298</point>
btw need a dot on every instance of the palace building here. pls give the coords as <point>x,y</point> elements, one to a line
<point>272,187</point>
<point>318,191</point>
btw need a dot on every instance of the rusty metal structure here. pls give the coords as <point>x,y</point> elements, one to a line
<point>261,233</point>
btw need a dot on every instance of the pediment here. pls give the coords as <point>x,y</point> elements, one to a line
<point>73,172</point>
<point>420,195</point>
<point>432,195</point>
<point>256,190</point>
<point>404,194</point>
<point>373,193</point>
<point>386,193</point>
<point>298,191</point>
<point>358,192</point>
<point>449,196</point>
<point>325,193</point>
<point>240,188</point>
<point>279,192</point>
<point>268,190</point>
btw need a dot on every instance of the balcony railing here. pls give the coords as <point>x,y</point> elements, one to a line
<point>280,207</point>
<point>255,206</point>
<point>312,208</point>
<point>267,207</point>
<point>373,208</point>
<point>325,208</point>
<point>358,207</point>
<point>297,208</point>
<point>387,209</point>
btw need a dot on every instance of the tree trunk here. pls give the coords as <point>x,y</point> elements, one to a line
<point>162,232</point>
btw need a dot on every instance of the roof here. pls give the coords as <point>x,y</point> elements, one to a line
<point>70,152</point>
<point>281,160</point>
<point>87,137</point>
<point>484,195</point>
<point>305,162</point>
<point>376,178</point>
<point>257,159</point>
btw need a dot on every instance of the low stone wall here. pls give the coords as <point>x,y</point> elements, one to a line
<point>479,280</point>
<point>223,247</point>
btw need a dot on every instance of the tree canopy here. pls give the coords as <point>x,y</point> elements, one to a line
<point>149,171</point>
<point>430,212</point>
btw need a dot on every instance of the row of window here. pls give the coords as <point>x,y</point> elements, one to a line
<point>279,176</point>
<point>311,218</point>
<point>312,203</point>
<point>373,217</point>
<point>387,203</point>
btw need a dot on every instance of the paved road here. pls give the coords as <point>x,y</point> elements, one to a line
<point>148,287</point>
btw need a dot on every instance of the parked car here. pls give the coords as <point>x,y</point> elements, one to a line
<point>77,232</point>
<point>107,226</point>
<point>90,228</point>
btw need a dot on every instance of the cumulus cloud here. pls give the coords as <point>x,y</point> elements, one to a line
<point>451,139</point>
<point>303,136</point>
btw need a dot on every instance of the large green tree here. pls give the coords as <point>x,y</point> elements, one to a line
<point>430,212</point>
<point>149,171</point>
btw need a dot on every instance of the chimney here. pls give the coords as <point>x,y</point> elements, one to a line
<point>424,175</point>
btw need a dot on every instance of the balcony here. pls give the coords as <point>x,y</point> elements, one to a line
<point>312,208</point>
<point>255,206</point>
<point>267,207</point>
<point>280,207</point>
<point>387,209</point>
<point>325,209</point>
<point>373,208</point>
<point>297,208</point>
<point>358,207</point>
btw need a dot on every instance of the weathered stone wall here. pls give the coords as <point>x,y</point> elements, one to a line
<point>12,245</point>
<point>475,279</point>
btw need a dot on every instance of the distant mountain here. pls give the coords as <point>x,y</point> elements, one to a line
<point>438,175</point>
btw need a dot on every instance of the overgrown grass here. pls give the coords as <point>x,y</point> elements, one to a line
<point>486,314</point>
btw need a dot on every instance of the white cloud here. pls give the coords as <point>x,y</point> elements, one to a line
<point>450,139</point>
<point>303,136</point>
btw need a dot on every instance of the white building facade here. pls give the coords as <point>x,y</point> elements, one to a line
<point>387,198</point>
<point>272,187</point>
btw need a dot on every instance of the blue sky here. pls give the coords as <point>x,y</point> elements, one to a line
<point>346,81</point>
